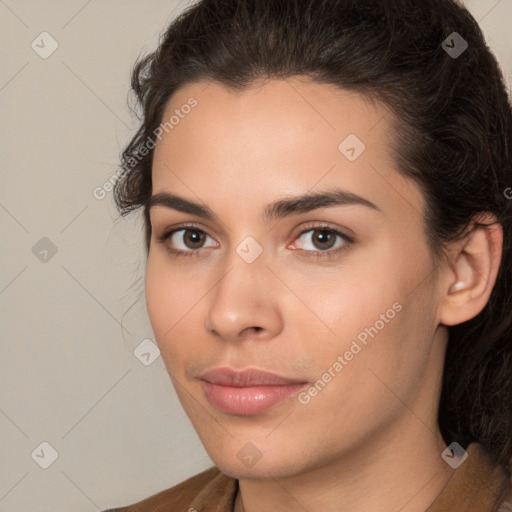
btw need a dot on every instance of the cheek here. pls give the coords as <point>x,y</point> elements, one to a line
<point>383,319</point>
<point>372,361</point>
<point>175,303</point>
<point>168,299</point>
<point>158,296</point>
<point>344,302</point>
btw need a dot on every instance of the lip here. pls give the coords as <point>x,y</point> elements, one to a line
<point>226,376</point>
<point>248,391</point>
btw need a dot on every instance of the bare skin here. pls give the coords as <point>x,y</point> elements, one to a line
<point>369,439</point>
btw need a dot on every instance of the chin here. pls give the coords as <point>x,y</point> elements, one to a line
<point>240,466</point>
<point>260,471</point>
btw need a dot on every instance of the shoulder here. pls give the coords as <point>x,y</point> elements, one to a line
<point>206,488</point>
<point>479,484</point>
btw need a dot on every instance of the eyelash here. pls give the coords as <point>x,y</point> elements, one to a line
<point>326,254</point>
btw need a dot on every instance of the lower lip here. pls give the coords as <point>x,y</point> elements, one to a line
<point>248,400</point>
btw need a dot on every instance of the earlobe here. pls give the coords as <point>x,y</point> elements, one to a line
<point>474,266</point>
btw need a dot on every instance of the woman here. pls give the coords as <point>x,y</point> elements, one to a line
<point>329,274</point>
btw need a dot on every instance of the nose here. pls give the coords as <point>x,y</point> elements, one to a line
<point>245,302</point>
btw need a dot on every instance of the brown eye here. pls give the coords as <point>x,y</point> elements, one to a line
<point>188,239</point>
<point>321,239</point>
<point>193,238</point>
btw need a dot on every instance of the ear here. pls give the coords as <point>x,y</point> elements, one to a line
<point>473,265</point>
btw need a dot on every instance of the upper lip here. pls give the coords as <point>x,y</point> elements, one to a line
<point>246,377</point>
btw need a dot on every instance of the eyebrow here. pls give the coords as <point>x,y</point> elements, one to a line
<point>273,211</point>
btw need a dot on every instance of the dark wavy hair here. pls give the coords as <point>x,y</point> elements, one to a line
<point>453,135</point>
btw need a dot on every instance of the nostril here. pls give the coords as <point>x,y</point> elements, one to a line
<point>254,329</point>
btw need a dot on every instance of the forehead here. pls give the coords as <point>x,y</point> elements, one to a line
<point>291,108</point>
<point>285,136</point>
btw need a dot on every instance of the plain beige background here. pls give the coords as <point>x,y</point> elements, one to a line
<point>71,268</point>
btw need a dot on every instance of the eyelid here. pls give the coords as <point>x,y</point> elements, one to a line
<point>322,225</point>
<point>183,225</point>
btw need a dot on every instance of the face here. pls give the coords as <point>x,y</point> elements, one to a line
<point>305,255</point>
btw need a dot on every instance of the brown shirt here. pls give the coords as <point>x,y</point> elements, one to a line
<point>477,485</point>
